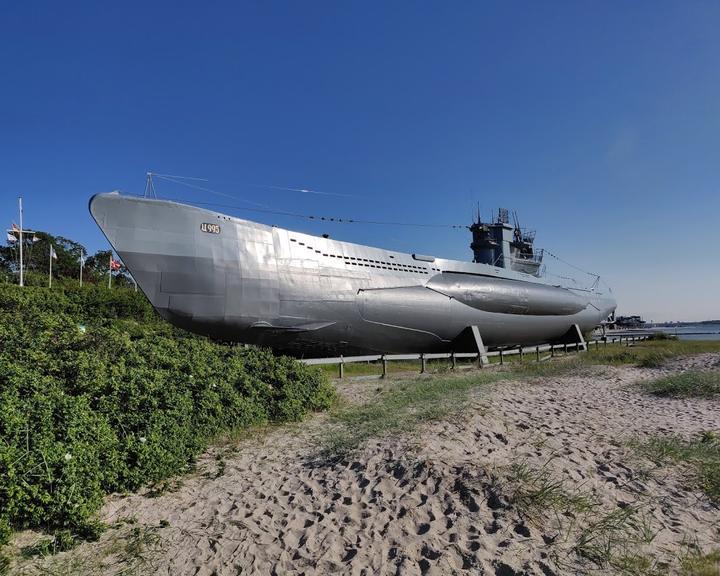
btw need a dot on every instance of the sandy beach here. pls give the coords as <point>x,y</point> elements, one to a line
<point>532,477</point>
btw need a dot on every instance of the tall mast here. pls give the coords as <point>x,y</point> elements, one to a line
<point>22,282</point>
<point>149,185</point>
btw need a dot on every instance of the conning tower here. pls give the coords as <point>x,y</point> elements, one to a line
<point>504,246</point>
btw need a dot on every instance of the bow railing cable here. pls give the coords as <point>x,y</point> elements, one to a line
<point>179,177</point>
<point>302,190</point>
<point>265,209</point>
<point>314,218</point>
<point>571,265</point>
<point>179,180</point>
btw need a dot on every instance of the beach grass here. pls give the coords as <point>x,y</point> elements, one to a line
<point>582,526</point>
<point>130,549</point>
<point>649,353</point>
<point>698,564</point>
<point>399,406</point>
<point>701,456</point>
<point>689,384</point>
<point>535,492</point>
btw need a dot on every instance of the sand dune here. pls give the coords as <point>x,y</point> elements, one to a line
<point>445,500</point>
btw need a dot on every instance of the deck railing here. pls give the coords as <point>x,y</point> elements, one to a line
<point>539,353</point>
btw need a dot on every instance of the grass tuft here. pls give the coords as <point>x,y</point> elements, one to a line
<point>599,540</point>
<point>653,359</point>
<point>534,492</point>
<point>701,564</point>
<point>587,531</point>
<point>701,454</point>
<point>689,384</point>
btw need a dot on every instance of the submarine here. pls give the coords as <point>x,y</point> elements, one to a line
<point>241,281</point>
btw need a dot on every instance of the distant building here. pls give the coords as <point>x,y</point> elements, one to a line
<point>629,322</point>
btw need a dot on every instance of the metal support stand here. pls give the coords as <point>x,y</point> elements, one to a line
<point>581,344</point>
<point>341,368</point>
<point>384,367</point>
<point>423,364</point>
<point>482,351</point>
<point>453,360</point>
<point>537,353</point>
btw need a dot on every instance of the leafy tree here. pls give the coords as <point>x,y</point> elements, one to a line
<point>98,265</point>
<point>36,255</point>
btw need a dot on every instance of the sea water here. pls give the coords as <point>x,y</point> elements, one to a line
<point>692,331</point>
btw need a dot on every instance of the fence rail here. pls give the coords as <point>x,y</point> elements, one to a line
<point>454,356</point>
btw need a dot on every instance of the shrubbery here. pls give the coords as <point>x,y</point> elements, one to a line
<point>98,395</point>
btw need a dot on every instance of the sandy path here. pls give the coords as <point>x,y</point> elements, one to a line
<point>429,504</point>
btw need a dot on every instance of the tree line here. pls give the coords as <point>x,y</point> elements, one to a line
<point>36,255</point>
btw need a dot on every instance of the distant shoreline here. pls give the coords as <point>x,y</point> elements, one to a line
<point>678,324</point>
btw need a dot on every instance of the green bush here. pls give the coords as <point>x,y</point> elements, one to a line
<point>98,395</point>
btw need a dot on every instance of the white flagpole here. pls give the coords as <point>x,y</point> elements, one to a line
<point>22,282</point>
<point>82,261</point>
<point>110,271</point>
<point>50,275</point>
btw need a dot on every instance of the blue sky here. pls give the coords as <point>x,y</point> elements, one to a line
<point>598,121</point>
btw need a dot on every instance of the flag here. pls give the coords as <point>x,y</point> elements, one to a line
<point>15,228</point>
<point>53,254</point>
<point>11,237</point>
<point>114,264</point>
<point>35,239</point>
<point>82,260</point>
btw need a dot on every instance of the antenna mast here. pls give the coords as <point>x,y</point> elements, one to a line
<point>149,186</point>
<point>22,281</point>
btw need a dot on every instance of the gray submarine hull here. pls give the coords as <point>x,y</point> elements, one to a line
<point>241,281</point>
